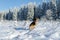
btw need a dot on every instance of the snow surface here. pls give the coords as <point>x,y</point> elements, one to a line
<point>44,30</point>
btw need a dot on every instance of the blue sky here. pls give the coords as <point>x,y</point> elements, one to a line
<point>7,4</point>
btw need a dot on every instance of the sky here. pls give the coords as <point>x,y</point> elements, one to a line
<point>7,4</point>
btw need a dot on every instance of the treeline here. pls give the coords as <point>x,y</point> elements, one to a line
<point>45,10</point>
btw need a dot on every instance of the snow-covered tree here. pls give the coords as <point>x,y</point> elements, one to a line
<point>22,14</point>
<point>9,15</point>
<point>58,8</point>
<point>30,10</point>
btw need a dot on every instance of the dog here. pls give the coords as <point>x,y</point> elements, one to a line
<point>33,24</point>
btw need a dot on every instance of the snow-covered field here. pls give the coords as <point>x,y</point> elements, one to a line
<point>44,30</point>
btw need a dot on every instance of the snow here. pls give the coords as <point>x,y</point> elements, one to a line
<point>44,30</point>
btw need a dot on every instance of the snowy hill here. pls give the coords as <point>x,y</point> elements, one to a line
<point>44,30</point>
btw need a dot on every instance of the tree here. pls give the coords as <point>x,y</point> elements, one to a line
<point>9,16</point>
<point>22,14</point>
<point>58,9</point>
<point>53,9</point>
